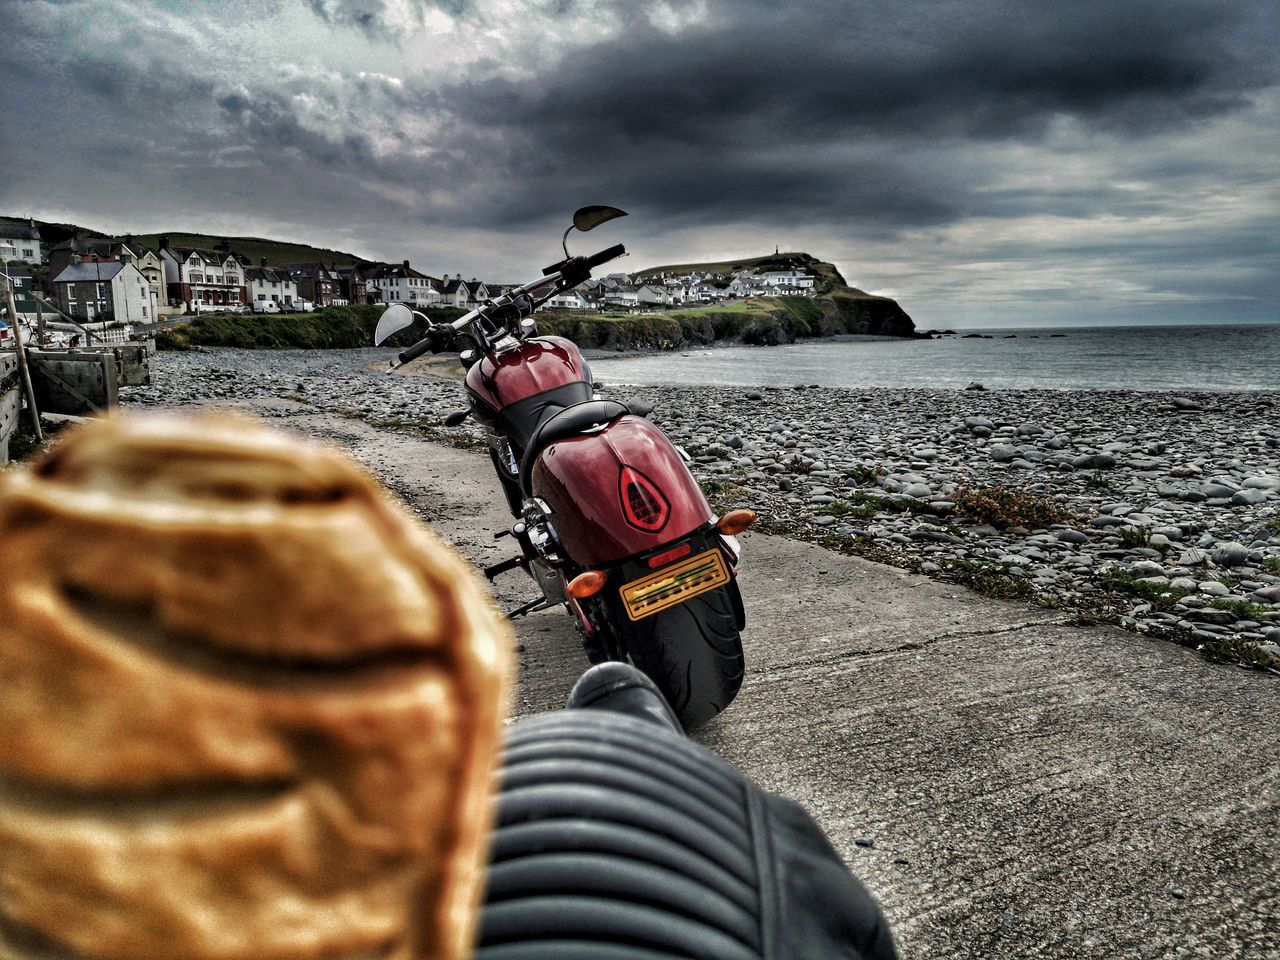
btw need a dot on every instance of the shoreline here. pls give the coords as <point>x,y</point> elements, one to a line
<point>1161,516</point>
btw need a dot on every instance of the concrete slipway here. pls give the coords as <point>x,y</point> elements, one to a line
<point>1007,784</point>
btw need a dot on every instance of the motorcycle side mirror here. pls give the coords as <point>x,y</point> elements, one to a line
<point>455,418</point>
<point>394,319</point>
<point>588,218</point>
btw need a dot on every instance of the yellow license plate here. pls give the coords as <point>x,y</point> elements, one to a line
<point>674,584</point>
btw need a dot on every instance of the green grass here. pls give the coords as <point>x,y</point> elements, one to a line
<point>1235,650</point>
<point>22,442</point>
<point>1272,564</point>
<point>1161,596</point>
<point>1243,609</point>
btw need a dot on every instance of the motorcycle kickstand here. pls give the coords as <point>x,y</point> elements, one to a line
<point>531,607</point>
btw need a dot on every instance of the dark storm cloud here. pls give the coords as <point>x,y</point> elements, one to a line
<point>995,129</point>
<point>826,105</point>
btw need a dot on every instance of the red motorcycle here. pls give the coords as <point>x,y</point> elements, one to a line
<point>609,520</point>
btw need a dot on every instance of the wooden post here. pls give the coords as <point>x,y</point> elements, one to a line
<point>40,320</point>
<point>22,363</point>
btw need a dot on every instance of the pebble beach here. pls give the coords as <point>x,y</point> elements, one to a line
<point>1157,511</point>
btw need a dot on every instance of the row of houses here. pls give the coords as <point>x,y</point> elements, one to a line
<point>123,280</point>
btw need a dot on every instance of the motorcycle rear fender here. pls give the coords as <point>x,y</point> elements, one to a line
<point>579,479</point>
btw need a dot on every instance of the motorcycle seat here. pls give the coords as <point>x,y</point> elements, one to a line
<point>569,422</point>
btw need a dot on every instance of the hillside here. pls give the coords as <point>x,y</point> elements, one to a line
<point>838,308</point>
<point>253,248</point>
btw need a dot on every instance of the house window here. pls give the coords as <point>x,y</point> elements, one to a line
<point>144,313</point>
<point>28,253</point>
<point>197,278</point>
<point>233,279</point>
<point>262,296</point>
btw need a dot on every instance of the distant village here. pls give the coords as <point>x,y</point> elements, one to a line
<point>119,281</point>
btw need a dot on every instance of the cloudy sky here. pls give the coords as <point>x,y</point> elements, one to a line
<point>984,161</point>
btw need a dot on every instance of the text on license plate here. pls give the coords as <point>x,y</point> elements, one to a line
<point>674,584</point>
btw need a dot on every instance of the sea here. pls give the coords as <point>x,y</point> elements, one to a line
<point>1188,358</point>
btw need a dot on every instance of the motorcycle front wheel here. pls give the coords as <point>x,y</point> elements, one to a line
<point>693,652</point>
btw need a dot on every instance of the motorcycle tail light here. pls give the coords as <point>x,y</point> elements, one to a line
<point>586,584</point>
<point>735,521</point>
<point>669,556</point>
<point>642,502</point>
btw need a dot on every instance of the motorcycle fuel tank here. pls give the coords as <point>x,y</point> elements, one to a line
<point>537,365</point>
<point>618,492</point>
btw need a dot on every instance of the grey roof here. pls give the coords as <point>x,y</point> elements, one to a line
<point>89,272</point>
<point>18,270</point>
<point>19,231</point>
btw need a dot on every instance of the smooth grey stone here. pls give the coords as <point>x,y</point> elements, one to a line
<point>1216,491</point>
<point>1262,483</point>
<point>918,491</point>
<point>1213,588</point>
<point>1147,568</point>
<point>1230,554</point>
<point>1072,536</point>
<point>1185,403</point>
<point>1003,452</point>
<point>1248,498</point>
<point>1212,615</point>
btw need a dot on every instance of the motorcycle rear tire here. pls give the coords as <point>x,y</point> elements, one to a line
<point>693,652</point>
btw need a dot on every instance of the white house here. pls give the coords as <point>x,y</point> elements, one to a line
<point>203,277</point>
<point>786,278</point>
<point>266,284</point>
<point>569,300</point>
<point>400,283</point>
<point>104,292</point>
<point>21,241</point>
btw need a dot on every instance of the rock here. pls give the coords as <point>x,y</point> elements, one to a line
<point>918,491</point>
<point>735,442</point>
<point>1216,490</point>
<point>1213,615</point>
<point>1072,536</point>
<point>1147,568</point>
<point>1230,554</point>
<point>754,395</point>
<point>1262,483</point>
<point>1270,594</point>
<point>975,385</point>
<point>1003,452</point>
<point>1192,558</point>
<point>1250,497</point>
<point>1094,461</point>
<point>1212,588</point>
<point>1185,403</point>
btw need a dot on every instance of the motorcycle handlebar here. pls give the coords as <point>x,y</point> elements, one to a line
<point>604,256</point>
<point>569,274</point>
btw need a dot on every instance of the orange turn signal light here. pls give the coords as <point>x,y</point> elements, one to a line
<point>586,584</point>
<point>735,521</point>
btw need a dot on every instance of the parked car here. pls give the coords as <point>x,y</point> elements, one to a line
<point>266,306</point>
